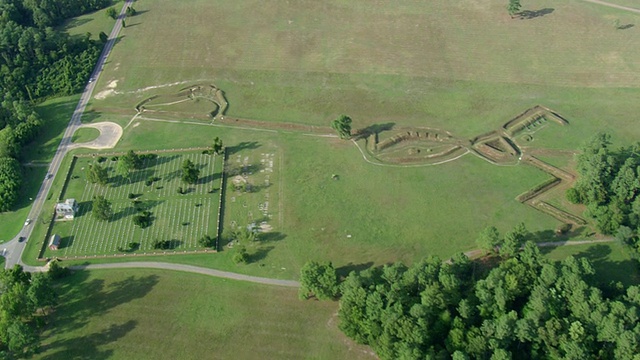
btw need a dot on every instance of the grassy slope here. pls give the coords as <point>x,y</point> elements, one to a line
<point>158,315</point>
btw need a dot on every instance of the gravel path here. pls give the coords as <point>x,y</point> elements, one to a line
<point>191,269</point>
<point>614,5</point>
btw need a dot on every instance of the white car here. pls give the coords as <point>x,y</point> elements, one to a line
<point>27,222</point>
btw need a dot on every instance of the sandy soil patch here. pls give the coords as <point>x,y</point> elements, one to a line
<point>107,92</point>
<point>110,134</point>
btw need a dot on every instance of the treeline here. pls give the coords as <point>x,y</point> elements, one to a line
<point>36,62</point>
<point>27,300</point>
<point>609,185</point>
<point>524,308</point>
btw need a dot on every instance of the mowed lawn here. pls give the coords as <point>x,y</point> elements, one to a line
<point>462,66</point>
<point>152,314</point>
<point>179,218</point>
<point>370,214</point>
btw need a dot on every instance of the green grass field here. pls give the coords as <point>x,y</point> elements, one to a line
<point>180,218</point>
<point>155,314</point>
<point>462,67</point>
<point>85,134</point>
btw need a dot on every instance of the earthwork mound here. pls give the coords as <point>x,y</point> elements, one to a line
<point>201,101</point>
<point>415,146</point>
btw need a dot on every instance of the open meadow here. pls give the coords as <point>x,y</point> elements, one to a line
<point>463,67</point>
<point>151,314</point>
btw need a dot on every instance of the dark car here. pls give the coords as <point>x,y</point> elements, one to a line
<point>21,239</point>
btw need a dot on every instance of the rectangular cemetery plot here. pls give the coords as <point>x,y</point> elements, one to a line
<point>179,218</point>
<point>253,193</point>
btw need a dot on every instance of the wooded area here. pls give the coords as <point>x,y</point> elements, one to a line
<point>609,184</point>
<point>524,308</point>
<point>36,62</point>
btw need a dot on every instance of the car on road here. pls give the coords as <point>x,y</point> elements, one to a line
<point>91,80</point>
<point>27,222</point>
<point>21,239</point>
<point>49,176</point>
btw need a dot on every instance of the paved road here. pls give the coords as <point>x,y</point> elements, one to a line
<point>13,249</point>
<point>614,5</point>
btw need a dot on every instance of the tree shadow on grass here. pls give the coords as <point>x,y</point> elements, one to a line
<point>372,129</point>
<point>129,210</point>
<point>87,347</point>
<point>84,208</point>
<point>344,271</point>
<point>66,242</point>
<point>80,301</point>
<point>271,236</point>
<point>245,145</point>
<point>90,116</point>
<point>260,253</point>
<point>209,178</point>
<point>532,14</point>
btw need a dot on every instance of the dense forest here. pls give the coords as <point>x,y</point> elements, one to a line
<point>525,307</point>
<point>609,185</point>
<point>36,62</point>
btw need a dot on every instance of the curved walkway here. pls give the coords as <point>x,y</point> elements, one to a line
<point>256,279</point>
<point>191,269</point>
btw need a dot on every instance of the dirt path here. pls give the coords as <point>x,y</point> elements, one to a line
<point>261,280</point>
<point>604,3</point>
<point>472,254</point>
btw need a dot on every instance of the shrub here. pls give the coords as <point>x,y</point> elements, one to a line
<point>162,244</point>
<point>132,196</point>
<point>573,196</point>
<point>114,158</point>
<point>241,256</point>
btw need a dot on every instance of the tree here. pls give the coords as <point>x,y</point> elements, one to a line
<point>190,173</point>
<point>489,239</point>
<point>217,146</point>
<point>319,280</point>
<point>342,125</point>
<point>103,37</point>
<point>241,256</point>
<point>112,13</point>
<point>97,174</point>
<point>514,7</point>
<point>10,182</point>
<point>101,208</point>
<point>207,241</point>
<point>123,168</point>
<point>143,220</point>
<point>245,235</point>
<point>130,11</point>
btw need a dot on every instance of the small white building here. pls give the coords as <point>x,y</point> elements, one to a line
<point>67,209</point>
<point>54,243</point>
